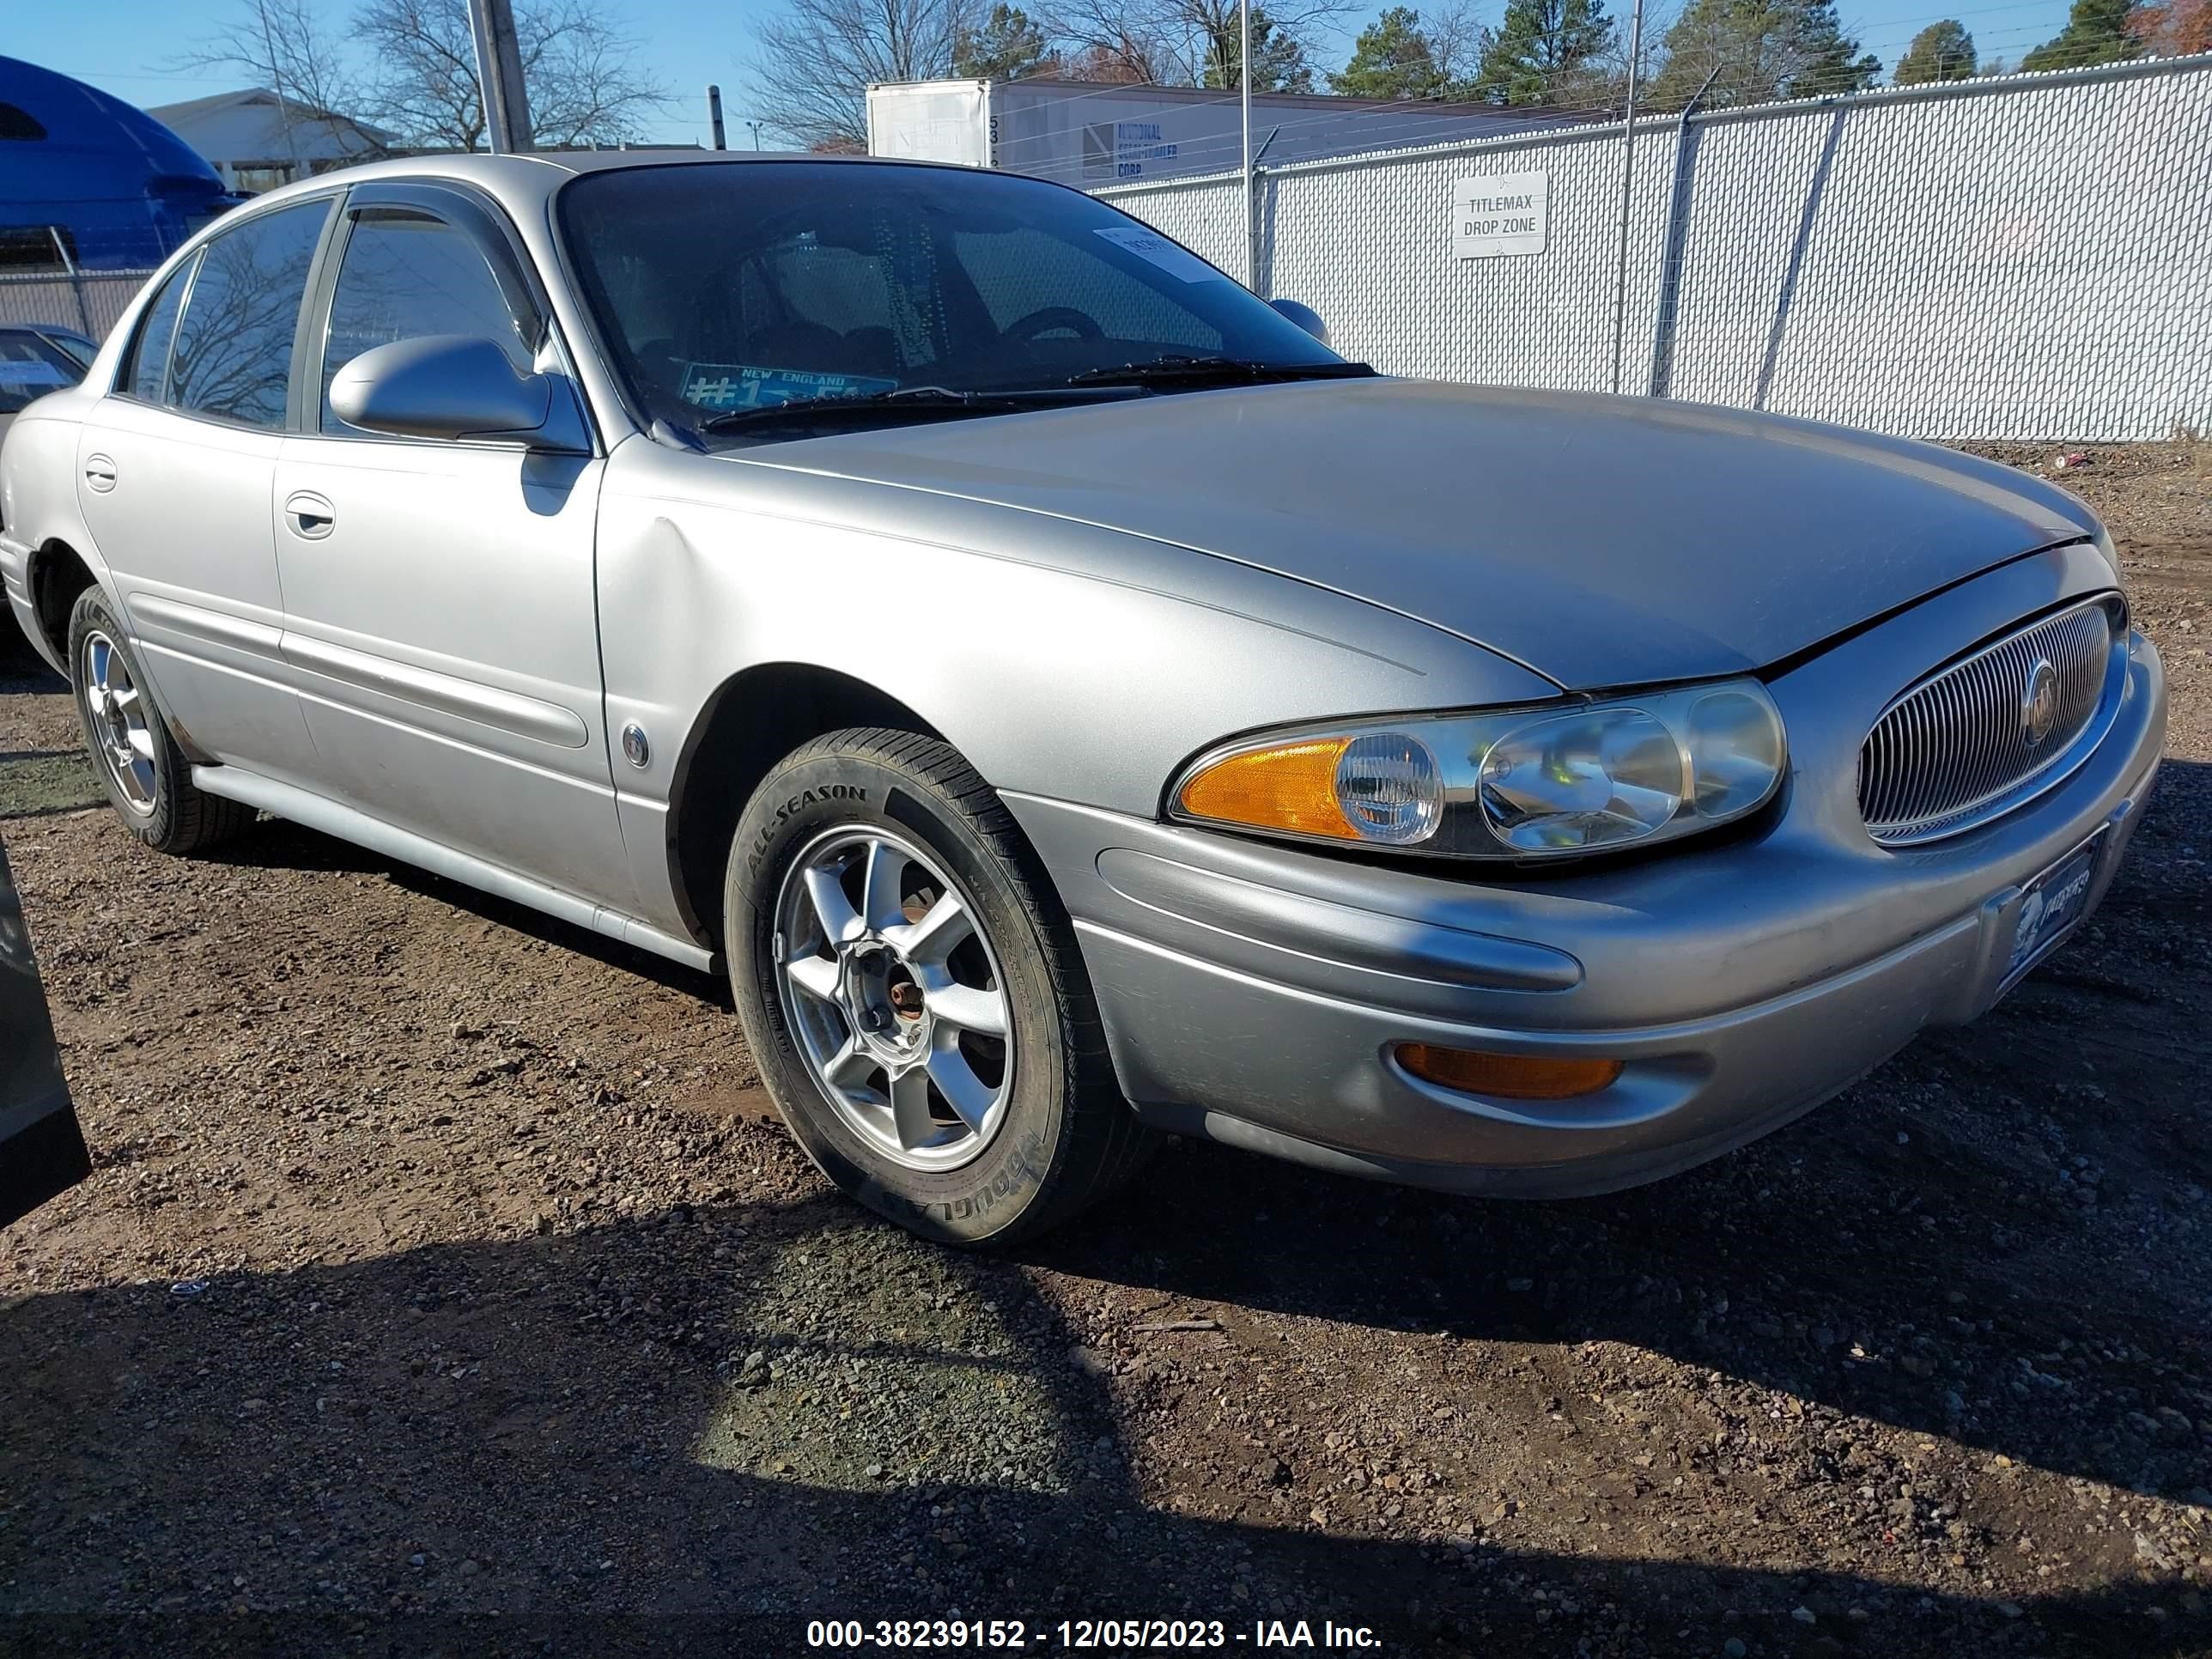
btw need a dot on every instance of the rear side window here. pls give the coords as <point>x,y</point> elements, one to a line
<point>148,377</point>
<point>407,274</point>
<point>233,356</point>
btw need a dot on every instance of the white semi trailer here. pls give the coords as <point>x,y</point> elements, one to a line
<point>1089,134</point>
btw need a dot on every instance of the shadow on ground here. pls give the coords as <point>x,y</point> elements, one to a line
<point>376,1419</point>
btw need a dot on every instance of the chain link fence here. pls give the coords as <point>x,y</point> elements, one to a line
<point>2020,258</point>
<point>89,301</point>
<point>69,279</point>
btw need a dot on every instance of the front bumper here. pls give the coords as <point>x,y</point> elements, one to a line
<point>1254,993</point>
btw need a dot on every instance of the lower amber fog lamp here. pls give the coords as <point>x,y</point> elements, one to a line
<point>1507,1077</point>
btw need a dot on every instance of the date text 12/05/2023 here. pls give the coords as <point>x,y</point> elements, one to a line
<point>1079,1634</point>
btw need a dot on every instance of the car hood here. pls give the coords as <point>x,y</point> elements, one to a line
<point>1600,541</point>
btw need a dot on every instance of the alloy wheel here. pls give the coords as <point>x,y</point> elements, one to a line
<point>895,996</point>
<point>118,715</point>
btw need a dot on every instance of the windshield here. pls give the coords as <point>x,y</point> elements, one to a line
<point>31,367</point>
<point>732,286</point>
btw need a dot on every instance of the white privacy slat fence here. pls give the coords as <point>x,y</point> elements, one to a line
<point>2021,257</point>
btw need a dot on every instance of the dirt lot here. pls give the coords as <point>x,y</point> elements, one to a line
<point>443,1288</point>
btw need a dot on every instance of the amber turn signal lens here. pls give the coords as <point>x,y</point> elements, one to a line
<point>1507,1077</point>
<point>1292,787</point>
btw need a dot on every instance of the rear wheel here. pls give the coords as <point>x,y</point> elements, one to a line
<point>147,777</point>
<point>913,993</point>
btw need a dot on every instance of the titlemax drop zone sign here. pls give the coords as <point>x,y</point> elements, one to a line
<point>1505,213</point>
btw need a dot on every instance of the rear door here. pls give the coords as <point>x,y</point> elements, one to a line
<point>441,620</point>
<point>176,465</point>
<point>41,1150</point>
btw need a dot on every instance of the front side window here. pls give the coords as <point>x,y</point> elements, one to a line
<point>148,377</point>
<point>736,285</point>
<point>233,356</point>
<point>406,274</point>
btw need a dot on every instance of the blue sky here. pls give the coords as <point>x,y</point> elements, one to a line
<point>128,47</point>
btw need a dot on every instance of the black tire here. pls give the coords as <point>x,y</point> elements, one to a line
<point>180,818</point>
<point>1067,1138</point>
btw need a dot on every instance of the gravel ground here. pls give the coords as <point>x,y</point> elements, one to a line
<point>445,1286</point>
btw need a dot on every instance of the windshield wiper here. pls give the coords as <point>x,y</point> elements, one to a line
<point>1177,370</point>
<point>920,402</point>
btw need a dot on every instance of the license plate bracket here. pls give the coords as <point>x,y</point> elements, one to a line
<point>2050,906</point>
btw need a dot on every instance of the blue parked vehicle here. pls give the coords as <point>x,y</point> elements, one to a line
<point>86,176</point>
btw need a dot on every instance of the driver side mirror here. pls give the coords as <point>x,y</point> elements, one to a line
<point>454,385</point>
<point>1305,316</point>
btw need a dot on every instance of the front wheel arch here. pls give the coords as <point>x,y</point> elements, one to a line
<point>751,721</point>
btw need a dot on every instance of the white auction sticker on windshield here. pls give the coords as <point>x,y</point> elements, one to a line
<point>750,385</point>
<point>1155,249</point>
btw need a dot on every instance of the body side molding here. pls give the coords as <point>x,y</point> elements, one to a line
<point>331,817</point>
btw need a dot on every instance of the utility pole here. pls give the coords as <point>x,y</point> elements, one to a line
<point>714,116</point>
<point>756,126</point>
<point>499,74</point>
<point>1244,86</point>
<point>1627,183</point>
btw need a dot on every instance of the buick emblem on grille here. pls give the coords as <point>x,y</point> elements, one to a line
<point>2038,703</point>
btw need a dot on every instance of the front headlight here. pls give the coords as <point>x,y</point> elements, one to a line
<point>1558,780</point>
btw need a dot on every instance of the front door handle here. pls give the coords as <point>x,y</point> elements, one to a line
<point>100,473</point>
<point>312,517</point>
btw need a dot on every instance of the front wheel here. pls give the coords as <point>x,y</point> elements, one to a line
<point>913,993</point>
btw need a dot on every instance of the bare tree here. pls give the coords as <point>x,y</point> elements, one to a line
<point>280,45</point>
<point>1118,66</point>
<point>1457,39</point>
<point>582,74</point>
<point>813,63</point>
<point>1181,42</point>
<point>1134,41</point>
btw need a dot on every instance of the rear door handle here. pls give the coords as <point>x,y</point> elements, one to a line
<point>100,473</point>
<point>312,517</point>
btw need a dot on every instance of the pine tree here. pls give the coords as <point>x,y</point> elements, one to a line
<point>2096,31</point>
<point>1757,51</point>
<point>1005,46</point>
<point>1392,59</point>
<point>1279,60</point>
<point>1942,51</point>
<point>1542,52</point>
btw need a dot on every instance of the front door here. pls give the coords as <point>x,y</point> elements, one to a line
<point>440,617</point>
<point>175,468</point>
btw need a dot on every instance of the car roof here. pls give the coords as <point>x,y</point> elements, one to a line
<point>538,174</point>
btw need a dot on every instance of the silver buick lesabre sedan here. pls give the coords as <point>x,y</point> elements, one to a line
<point>1071,702</point>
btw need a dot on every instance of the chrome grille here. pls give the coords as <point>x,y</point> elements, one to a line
<point>1961,747</point>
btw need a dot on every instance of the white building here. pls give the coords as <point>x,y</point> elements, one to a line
<point>257,141</point>
<point>1091,134</point>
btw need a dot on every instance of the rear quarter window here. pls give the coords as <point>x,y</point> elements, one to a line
<point>147,374</point>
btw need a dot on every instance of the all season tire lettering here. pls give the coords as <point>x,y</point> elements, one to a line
<point>804,798</point>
